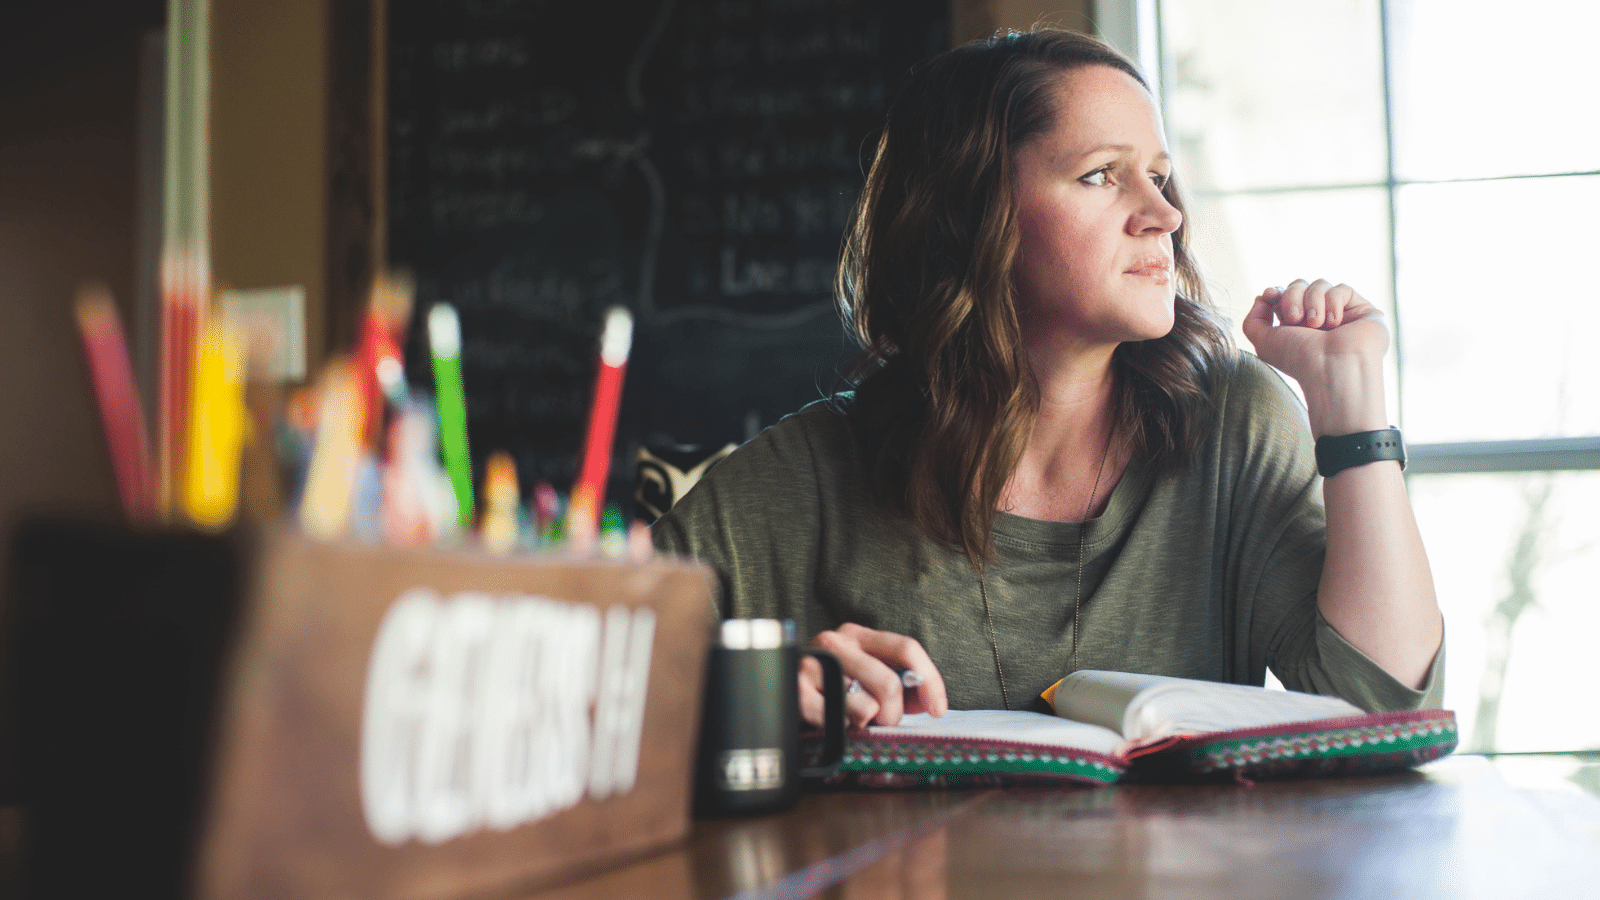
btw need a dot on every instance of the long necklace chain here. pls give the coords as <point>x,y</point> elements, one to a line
<point>1077,599</point>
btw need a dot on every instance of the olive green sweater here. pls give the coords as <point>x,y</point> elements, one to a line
<point>1207,573</point>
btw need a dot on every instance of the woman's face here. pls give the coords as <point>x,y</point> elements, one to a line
<point>1095,265</point>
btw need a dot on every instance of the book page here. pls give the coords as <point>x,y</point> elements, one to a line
<point>1002,725</point>
<point>1149,707</point>
<point>1098,698</point>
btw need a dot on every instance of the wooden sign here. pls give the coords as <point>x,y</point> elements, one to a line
<point>439,725</point>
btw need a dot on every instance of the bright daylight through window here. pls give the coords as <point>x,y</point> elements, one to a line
<point>1444,159</point>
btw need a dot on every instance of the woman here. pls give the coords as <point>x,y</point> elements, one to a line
<point>1054,459</point>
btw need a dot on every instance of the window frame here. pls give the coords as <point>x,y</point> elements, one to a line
<point>1134,27</point>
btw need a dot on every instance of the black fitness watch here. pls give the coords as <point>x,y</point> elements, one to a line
<point>1335,453</point>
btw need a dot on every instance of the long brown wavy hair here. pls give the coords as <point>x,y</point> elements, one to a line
<point>944,401</point>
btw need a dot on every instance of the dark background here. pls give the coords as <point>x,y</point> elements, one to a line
<point>692,160</point>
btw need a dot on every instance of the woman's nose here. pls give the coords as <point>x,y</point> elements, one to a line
<point>1156,213</point>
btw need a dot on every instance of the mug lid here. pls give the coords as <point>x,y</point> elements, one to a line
<point>756,634</point>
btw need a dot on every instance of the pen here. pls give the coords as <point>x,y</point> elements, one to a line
<point>444,338</point>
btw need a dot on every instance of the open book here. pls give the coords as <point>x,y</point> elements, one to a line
<point>1112,725</point>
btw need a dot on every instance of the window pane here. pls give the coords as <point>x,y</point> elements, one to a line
<point>1476,98</point>
<point>1516,559</point>
<point>1248,242</point>
<point>1496,292</point>
<point>1275,94</point>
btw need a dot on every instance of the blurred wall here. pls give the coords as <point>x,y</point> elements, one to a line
<point>69,166</point>
<point>269,65</point>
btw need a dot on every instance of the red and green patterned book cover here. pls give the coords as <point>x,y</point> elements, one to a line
<point>1139,727</point>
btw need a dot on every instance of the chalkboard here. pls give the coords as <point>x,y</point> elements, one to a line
<point>692,160</point>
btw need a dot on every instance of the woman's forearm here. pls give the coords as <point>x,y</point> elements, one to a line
<point>1377,588</point>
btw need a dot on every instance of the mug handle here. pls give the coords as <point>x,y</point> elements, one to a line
<point>833,714</point>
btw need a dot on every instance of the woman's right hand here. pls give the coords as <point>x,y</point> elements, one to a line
<point>874,659</point>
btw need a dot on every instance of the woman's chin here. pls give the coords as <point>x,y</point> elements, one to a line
<point>1154,327</point>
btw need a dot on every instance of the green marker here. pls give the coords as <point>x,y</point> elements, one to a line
<point>613,532</point>
<point>444,336</point>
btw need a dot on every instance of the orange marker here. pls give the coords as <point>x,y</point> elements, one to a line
<point>500,498</point>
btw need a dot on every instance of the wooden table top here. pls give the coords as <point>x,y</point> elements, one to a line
<point>1463,827</point>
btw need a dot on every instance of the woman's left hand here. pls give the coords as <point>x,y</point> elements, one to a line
<point>1376,588</point>
<point>1332,341</point>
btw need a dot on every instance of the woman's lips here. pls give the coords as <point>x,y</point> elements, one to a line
<point>1159,268</point>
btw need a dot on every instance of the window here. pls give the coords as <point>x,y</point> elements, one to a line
<point>1443,157</point>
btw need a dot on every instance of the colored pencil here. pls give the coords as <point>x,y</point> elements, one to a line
<point>120,410</point>
<point>183,312</point>
<point>588,493</point>
<point>218,425</point>
<point>444,338</point>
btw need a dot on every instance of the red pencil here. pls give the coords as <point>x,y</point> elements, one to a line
<point>182,314</point>
<point>120,409</point>
<point>588,493</point>
<point>388,311</point>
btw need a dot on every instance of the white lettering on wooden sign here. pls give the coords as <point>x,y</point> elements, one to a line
<point>486,712</point>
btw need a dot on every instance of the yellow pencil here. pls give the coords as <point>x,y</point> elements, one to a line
<point>218,426</point>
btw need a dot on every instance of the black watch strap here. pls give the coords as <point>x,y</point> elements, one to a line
<point>1335,453</point>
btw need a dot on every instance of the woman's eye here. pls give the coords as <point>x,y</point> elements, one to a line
<point>1097,178</point>
<point>1160,180</point>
